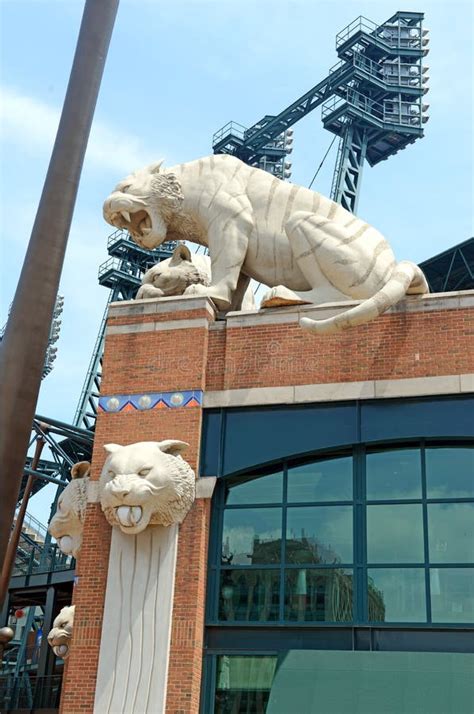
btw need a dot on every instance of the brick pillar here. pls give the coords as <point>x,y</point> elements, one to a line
<point>153,377</point>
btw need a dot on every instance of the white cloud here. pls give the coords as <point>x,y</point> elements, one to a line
<point>33,123</point>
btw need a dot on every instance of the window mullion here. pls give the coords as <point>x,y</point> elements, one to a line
<point>425,532</point>
<point>217,554</point>
<point>360,537</point>
<point>283,542</point>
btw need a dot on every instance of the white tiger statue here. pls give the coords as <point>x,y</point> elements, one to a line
<point>307,248</point>
<point>145,483</point>
<point>59,637</point>
<point>67,523</point>
<point>174,275</point>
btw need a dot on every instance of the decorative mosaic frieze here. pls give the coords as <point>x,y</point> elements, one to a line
<point>150,400</point>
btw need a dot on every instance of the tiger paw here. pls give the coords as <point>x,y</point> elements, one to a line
<point>146,292</point>
<point>280,296</point>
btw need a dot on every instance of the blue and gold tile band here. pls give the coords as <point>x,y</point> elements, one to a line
<point>115,403</point>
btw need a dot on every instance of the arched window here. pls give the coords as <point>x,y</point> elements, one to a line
<point>380,535</point>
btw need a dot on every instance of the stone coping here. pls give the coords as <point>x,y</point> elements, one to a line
<point>415,303</point>
<point>265,316</point>
<point>341,391</point>
<point>181,303</point>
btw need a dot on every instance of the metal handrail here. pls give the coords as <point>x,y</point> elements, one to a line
<point>119,234</point>
<point>393,35</point>
<point>391,111</point>
<point>232,128</point>
<point>113,264</point>
<point>359,60</point>
<point>360,23</point>
<point>34,525</point>
<point>43,559</point>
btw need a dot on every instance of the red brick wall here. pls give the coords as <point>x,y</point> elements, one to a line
<point>89,596</point>
<point>397,345</point>
<point>139,362</point>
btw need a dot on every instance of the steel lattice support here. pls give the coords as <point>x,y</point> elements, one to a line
<point>349,166</point>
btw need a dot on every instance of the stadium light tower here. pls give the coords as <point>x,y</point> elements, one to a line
<point>373,99</point>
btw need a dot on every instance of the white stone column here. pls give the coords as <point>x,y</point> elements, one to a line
<point>134,651</point>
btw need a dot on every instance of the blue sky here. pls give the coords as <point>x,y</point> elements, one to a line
<point>176,72</point>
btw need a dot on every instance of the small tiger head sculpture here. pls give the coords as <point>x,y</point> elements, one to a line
<point>59,637</point>
<point>68,522</point>
<point>146,483</point>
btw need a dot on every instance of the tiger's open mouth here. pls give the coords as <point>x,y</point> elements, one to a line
<point>125,211</point>
<point>138,223</point>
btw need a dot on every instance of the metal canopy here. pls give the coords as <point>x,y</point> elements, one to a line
<point>452,269</point>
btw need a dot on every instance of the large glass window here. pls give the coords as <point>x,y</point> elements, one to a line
<point>305,519</point>
<point>319,595</point>
<point>252,535</point>
<point>394,474</point>
<point>325,480</point>
<point>319,534</point>
<point>450,472</point>
<point>396,595</point>
<point>451,532</point>
<point>375,536</point>
<point>379,536</point>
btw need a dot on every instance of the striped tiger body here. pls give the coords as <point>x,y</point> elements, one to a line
<point>305,247</point>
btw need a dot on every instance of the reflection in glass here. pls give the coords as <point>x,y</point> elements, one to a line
<point>452,594</point>
<point>394,474</point>
<point>328,480</point>
<point>450,472</point>
<point>451,532</point>
<point>319,534</point>
<point>249,595</point>
<point>263,489</point>
<point>400,594</point>
<point>318,595</point>
<point>251,536</point>
<point>395,534</point>
<point>243,684</point>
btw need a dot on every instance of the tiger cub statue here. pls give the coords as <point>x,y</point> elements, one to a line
<point>176,275</point>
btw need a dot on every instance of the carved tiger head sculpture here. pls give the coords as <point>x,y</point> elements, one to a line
<point>143,203</point>
<point>67,523</point>
<point>59,637</point>
<point>146,483</point>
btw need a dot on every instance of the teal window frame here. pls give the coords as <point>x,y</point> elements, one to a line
<point>360,566</point>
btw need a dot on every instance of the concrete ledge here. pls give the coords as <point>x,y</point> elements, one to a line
<point>341,391</point>
<point>205,486</point>
<point>156,326</point>
<point>285,315</point>
<point>129,308</point>
<point>277,315</point>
